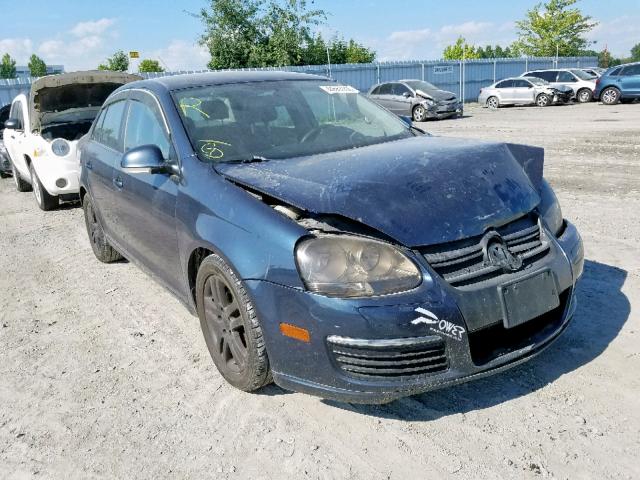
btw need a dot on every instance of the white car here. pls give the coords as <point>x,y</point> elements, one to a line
<point>44,127</point>
<point>582,84</point>
<point>523,91</point>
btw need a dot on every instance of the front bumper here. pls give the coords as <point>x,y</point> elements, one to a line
<point>444,109</point>
<point>377,331</point>
<point>59,175</point>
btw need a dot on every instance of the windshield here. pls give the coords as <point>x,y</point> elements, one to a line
<point>537,81</point>
<point>421,85</point>
<point>582,75</point>
<point>282,119</point>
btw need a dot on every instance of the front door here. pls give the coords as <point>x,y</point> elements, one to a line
<point>630,80</point>
<point>146,202</point>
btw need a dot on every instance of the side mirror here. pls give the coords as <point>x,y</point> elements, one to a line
<point>147,159</point>
<point>13,124</point>
<point>407,95</point>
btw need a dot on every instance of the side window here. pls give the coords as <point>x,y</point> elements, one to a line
<point>145,127</point>
<point>108,131</point>
<point>400,89</point>
<point>566,77</point>
<point>616,72</point>
<point>376,91</point>
<point>631,70</point>
<point>384,89</point>
<point>521,84</point>
<point>98,125</point>
<point>505,84</point>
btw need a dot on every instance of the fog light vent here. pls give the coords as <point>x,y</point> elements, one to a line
<point>61,183</point>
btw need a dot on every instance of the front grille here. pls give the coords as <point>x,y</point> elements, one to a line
<point>398,361</point>
<point>464,262</point>
<point>495,341</point>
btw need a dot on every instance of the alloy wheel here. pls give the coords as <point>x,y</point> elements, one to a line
<point>419,113</point>
<point>493,103</point>
<point>36,186</point>
<point>610,96</point>
<point>584,97</point>
<point>95,231</point>
<point>543,100</point>
<point>16,178</point>
<point>225,324</point>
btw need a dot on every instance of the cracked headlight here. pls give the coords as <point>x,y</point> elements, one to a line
<point>60,147</point>
<point>549,209</point>
<point>345,266</point>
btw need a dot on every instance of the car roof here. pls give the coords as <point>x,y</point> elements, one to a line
<point>179,82</point>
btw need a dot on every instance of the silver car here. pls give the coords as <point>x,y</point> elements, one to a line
<point>522,91</point>
<point>582,84</point>
<point>417,99</point>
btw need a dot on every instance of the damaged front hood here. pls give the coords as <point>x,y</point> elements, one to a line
<point>419,191</point>
<point>54,94</point>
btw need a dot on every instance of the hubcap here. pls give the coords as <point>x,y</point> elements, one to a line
<point>36,187</point>
<point>610,96</point>
<point>543,100</point>
<point>225,325</point>
<point>419,114</point>
<point>493,103</point>
<point>584,96</point>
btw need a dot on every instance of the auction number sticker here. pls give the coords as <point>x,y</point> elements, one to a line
<point>333,89</point>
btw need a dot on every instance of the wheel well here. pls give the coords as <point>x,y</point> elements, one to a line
<point>195,259</point>
<point>27,160</point>
<point>83,192</point>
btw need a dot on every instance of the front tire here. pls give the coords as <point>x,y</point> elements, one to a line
<point>45,201</point>
<point>610,96</point>
<point>493,103</point>
<point>21,185</point>
<point>419,113</point>
<point>543,100</point>
<point>230,326</point>
<point>101,247</point>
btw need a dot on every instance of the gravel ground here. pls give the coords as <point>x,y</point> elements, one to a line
<point>105,375</point>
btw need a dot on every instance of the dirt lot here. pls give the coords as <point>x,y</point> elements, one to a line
<point>105,375</point>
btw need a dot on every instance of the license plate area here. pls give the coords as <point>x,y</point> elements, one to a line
<point>529,298</point>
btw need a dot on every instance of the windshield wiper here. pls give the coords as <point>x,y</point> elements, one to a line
<point>252,159</point>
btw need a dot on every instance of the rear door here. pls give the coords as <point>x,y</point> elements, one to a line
<point>99,156</point>
<point>145,203</point>
<point>630,80</point>
<point>568,79</point>
<point>383,96</point>
<point>505,91</point>
<point>399,103</point>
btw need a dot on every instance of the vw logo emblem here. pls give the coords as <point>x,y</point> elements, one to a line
<point>497,253</point>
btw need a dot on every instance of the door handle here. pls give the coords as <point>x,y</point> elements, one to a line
<point>118,182</point>
<point>88,165</point>
<point>13,137</point>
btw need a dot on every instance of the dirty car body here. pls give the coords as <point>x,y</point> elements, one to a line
<point>411,262</point>
<point>5,163</point>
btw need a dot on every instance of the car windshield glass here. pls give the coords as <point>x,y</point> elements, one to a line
<point>282,119</point>
<point>421,85</point>
<point>582,75</point>
<point>537,81</point>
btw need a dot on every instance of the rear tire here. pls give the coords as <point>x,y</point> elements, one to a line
<point>543,100</point>
<point>101,247</point>
<point>493,103</point>
<point>21,185</point>
<point>584,96</point>
<point>610,96</point>
<point>45,201</point>
<point>230,326</point>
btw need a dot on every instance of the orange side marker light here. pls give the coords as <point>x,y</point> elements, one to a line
<point>298,333</point>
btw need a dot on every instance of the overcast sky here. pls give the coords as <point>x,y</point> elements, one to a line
<point>81,34</point>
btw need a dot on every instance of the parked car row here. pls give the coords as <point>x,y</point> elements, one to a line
<point>545,87</point>
<point>324,243</point>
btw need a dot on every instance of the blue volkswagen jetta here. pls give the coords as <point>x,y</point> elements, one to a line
<point>323,243</point>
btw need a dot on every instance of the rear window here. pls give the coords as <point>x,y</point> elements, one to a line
<point>631,70</point>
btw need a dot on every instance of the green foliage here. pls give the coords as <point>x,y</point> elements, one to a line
<point>37,67</point>
<point>459,50</point>
<point>264,33</point>
<point>7,67</point>
<point>553,27</point>
<point>148,65</point>
<point>118,62</point>
<point>496,52</point>
<point>635,53</point>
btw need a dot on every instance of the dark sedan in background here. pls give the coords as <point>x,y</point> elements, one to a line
<point>5,163</point>
<point>321,241</point>
<point>417,99</point>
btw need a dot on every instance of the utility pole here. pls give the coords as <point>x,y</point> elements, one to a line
<point>329,61</point>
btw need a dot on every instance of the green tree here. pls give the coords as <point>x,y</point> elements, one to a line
<point>635,53</point>
<point>7,67</point>
<point>118,62</point>
<point>553,27</point>
<point>459,50</point>
<point>37,67</point>
<point>148,65</point>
